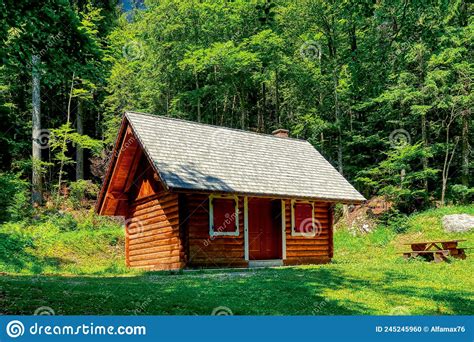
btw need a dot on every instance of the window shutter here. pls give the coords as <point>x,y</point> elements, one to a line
<point>224,215</point>
<point>303,217</point>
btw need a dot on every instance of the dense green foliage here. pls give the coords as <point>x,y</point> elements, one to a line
<point>70,40</point>
<point>366,277</point>
<point>359,80</point>
<point>14,197</point>
<point>382,89</point>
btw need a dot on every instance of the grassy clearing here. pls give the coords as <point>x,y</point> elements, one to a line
<point>366,277</point>
<point>63,243</point>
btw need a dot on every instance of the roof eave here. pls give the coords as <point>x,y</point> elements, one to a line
<point>148,155</point>
<point>271,195</point>
<point>115,154</point>
<point>111,165</point>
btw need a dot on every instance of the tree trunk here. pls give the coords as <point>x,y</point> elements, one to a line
<point>64,144</point>
<point>36,181</point>
<point>262,111</point>
<point>338,123</point>
<point>425,146</point>
<point>198,99</point>
<point>277,98</point>
<point>443,190</point>
<point>447,158</point>
<point>322,143</point>
<point>353,39</point>
<point>465,148</point>
<point>79,150</point>
<point>243,113</point>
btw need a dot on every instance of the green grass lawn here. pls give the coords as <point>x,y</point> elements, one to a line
<point>366,277</point>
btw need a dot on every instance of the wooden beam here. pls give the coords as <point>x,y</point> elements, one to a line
<point>133,170</point>
<point>117,196</point>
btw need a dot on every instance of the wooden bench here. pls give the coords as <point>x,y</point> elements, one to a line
<point>435,255</point>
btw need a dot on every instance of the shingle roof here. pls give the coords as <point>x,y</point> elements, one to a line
<point>189,155</point>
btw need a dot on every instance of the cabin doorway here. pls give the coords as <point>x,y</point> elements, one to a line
<point>264,229</point>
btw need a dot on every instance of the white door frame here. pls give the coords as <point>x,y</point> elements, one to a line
<point>283,229</point>
<point>246,228</point>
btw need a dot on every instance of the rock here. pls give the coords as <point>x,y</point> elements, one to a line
<point>458,223</point>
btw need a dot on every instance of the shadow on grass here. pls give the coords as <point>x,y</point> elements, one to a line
<point>459,302</point>
<point>291,291</point>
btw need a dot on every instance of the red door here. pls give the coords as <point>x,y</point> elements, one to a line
<point>264,217</point>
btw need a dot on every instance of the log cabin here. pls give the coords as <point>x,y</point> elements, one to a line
<point>197,195</point>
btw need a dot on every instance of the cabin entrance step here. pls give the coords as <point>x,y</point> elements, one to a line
<point>265,263</point>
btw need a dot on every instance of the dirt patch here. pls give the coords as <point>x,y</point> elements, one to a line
<point>362,219</point>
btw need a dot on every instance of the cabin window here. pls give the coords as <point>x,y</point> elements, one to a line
<point>302,219</point>
<point>223,215</point>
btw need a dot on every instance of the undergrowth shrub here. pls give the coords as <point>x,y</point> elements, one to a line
<point>80,192</point>
<point>395,220</point>
<point>14,197</point>
<point>65,221</point>
<point>461,194</point>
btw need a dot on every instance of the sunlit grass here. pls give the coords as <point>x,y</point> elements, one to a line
<point>368,276</point>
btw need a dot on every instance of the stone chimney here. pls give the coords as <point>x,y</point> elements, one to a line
<point>280,132</point>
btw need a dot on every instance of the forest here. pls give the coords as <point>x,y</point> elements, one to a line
<point>382,88</point>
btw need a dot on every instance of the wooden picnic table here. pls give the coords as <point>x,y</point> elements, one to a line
<point>435,250</point>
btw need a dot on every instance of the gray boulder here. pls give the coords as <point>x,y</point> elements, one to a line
<point>458,223</point>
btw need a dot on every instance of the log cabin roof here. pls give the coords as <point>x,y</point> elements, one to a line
<point>191,156</point>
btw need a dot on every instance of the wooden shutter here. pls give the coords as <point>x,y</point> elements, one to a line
<point>224,215</point>
<point>303,217</point>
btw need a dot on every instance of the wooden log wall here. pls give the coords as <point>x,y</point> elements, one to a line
<point>152,233</point>
<point>219,251</point>
<point>310,250</point>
